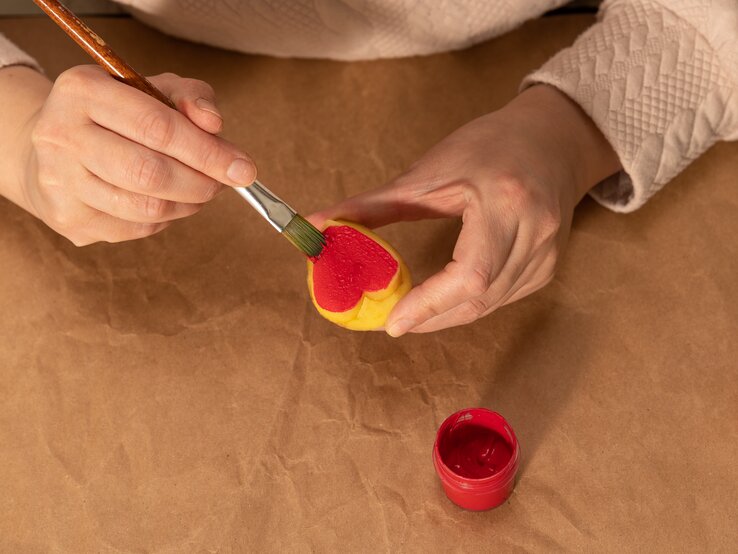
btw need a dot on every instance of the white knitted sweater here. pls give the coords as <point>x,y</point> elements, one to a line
<point>658,77</point>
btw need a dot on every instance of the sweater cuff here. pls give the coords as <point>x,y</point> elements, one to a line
<point>655,88</point>
<point>10,54</point>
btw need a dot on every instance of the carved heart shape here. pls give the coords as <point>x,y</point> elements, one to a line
<point>350,265</point>
<point>358,277</point>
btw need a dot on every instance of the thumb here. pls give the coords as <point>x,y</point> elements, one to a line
<point>193,98</point>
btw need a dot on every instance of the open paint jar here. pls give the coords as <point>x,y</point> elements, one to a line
<point>476,456</point>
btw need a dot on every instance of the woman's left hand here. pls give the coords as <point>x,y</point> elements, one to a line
<point>514,177</point>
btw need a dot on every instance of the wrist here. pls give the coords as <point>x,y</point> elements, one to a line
<point>569,137</point>
<point>23,92</point>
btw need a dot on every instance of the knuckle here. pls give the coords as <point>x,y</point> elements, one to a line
<point>479,306</point>
<point>155,208</point>
<point>211,191</point>
<point>66,80</point>
<point>549,223</point>
<point>63,221</point>
<point>39,135</point>
<point>70,81</point>
<point>209,154</point>
<point>68,224</point>
<point>155,128</point>
<point>205,88</point>
<point>49,132</point>
<point>76,80</point>
<point>515,194</point>
<point>150,172</point>
<point>48,180</point>
<point>429,308</point>
<point>141,230</point>
<point>470,193</point>
<point>477,281</point>
<point>79,240</point>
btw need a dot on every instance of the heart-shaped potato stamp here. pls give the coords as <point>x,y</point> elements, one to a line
<point>358,278</point>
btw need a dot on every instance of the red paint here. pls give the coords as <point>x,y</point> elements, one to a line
<point>351,263</point>
<point>476,456</point>
<point>475,452</point>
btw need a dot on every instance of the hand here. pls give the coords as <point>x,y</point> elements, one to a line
<point>105,162</point>
<point>514,177</point>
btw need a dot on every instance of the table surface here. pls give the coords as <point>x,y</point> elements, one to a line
<point>180,394</point>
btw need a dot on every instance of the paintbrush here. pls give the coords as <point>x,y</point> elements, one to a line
<point>278,213</point>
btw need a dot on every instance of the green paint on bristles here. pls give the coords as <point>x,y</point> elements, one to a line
<point>304,236</point>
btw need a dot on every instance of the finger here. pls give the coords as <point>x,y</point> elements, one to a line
<point>500,291</point>
<point>133,167</point>
<point>144,120</point>
<point>194,98</point>
<point>482,251</point>
<point>94,226</point>
<point>106,228</point>
<point>400,200</point>
<point>127,205</point>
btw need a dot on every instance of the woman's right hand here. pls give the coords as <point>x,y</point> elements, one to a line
<point>106,162</point>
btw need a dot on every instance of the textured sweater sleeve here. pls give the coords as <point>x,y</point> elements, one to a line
<point>660,80</point>
<point>10,54</point>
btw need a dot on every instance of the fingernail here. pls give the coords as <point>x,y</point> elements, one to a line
<point>206,105</point>
<point>241,172</point>
<point>399,328</point>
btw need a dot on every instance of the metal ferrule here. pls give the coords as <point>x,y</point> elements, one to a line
<point>275,210</point>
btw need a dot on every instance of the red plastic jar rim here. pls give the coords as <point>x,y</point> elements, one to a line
<point>485,484</point>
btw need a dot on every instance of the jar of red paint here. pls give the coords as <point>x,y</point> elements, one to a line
<point>476,456</point>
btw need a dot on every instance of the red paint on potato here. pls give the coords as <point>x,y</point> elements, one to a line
<point>350,264</point>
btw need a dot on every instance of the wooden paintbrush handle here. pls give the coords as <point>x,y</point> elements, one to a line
<point>99,50</point>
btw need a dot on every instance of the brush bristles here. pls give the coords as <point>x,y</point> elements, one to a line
<point>304,236</point>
